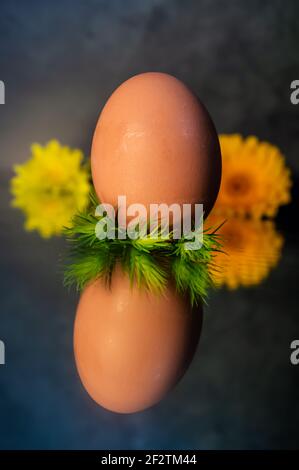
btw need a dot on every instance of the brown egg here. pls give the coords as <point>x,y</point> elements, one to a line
<point>131,347</point>
<point>155,143</point>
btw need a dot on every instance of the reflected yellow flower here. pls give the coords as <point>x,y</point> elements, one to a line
<point>255,179</point>
<point>252,248</point>
<point>50,187</point>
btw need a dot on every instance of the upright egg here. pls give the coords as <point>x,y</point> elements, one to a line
<point>155,143</point>
<point>131,346</point>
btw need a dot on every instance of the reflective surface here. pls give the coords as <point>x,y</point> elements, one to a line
<point>240,392</point>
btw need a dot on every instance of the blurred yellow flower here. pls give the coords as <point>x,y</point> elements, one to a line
<point>255,179</point>
<point>50,187</point>
<point>251,249</point>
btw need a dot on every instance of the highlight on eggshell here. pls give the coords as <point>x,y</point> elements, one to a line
<point>154,143</point>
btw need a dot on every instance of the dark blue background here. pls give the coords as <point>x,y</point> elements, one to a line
<point>60,60</point>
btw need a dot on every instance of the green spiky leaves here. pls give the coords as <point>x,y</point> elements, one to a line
<point>150,261</point>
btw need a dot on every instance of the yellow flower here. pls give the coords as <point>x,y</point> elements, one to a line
<point>251,249</point>
<point>50,187</point>
<point>255,179</point>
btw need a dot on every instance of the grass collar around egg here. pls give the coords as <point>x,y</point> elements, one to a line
<point>149,262</point>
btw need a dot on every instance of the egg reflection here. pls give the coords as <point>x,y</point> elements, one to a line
<point>131,346</point>
<point>251,249</point>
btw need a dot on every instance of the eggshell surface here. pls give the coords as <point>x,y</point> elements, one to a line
<point>155,143</point>
<point>131,346</point>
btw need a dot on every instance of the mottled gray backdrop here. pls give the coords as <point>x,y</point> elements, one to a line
<point>60,60</point>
